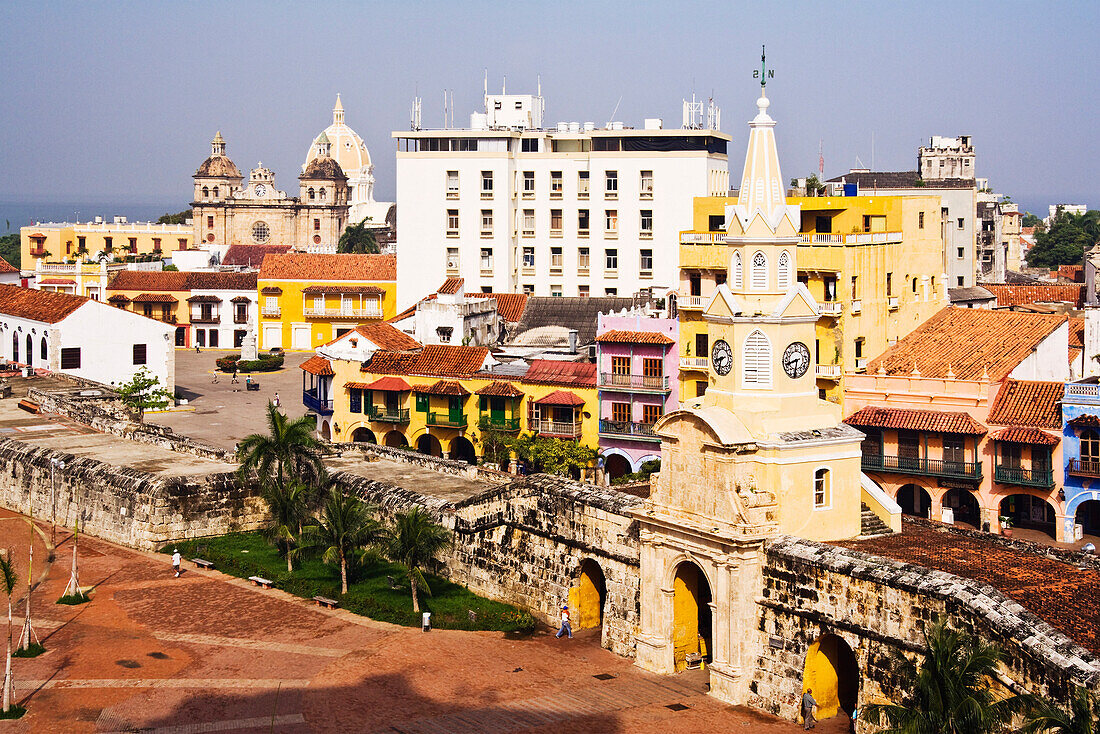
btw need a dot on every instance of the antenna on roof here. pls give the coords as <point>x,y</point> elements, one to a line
<point>614,111</point>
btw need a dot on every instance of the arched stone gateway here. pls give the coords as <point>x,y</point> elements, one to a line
<point>964,506</point>
<point>914,500</point>
<point>1029,511</point>
<point>325,431</point>
<point>362,434</point>
<point>616,465</point>
<point>1088,517</point>
<point>429,444</point>
<point>396,440</point>
<point>691,615</point>
<point>587,598</point>
<point>463,450</point>
<point>831,673</point>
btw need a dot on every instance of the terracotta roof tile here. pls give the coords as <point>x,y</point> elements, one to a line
<point>45,306</point>
<point>618,336</point>
<point>510,306</point>
<point>561,397</point>
<point>155,298</point>
<point>313,266</point>
<point>434,360</point>
<point>7,267</point>
<point>1022,434</point>
<point>1018,295</point>
<point>57,281</point>
<point>251,256</point>
<point>501,390</point>
<point>161,280</point>
<point>317,366</point>
<point>968,341</point>
<point>204,299</point>
<point>384,336</point>
<point>1027,403</point>
<point>393,384</point>
<point>1088,420</point>
<point>936,421</point>
<point>451,285</point>
<point>221,281</point>
<point>1076,332</point>
<point>443,387</point>
<point>554,372</point>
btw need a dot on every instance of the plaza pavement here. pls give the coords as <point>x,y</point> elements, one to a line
<point>207,653</point>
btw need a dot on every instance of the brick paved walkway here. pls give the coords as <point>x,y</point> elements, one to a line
<point>208,653</point>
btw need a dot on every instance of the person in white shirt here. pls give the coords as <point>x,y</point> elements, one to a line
<point>176,558</point>
<point>566,629</point>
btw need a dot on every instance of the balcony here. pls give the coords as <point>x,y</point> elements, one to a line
<point>692,303</point>
<point>239,319</point>
<point>206,319</point>
<point>830,308</point>
<point>859,238</point>
<point>634,382</point>
<point>925,467</point>
<point>857,306</point>
<point>892,303</point>
<point>322,406</point>
<point>446,420</point>
<point>628,429</point>
<point>381,414</point>
<point>828,371</point>
<point>498,424</point>
<point>372,312</point>
<point>695,363</point>
<point>1083,467</point>
<point>1023,477</point>
<point>556,429</point>
<point>271,311</point>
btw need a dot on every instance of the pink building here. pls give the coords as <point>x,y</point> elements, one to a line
<point>636,359</point>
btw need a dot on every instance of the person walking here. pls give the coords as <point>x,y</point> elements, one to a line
<point>275,400</point>
<point>176,558</point>
<point>235,372</point>
<point>566,629</point>
<point>808,704</point>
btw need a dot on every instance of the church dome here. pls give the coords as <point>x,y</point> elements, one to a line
<point>325,168</point>
<point>218,165</point>
<point>348,148</point>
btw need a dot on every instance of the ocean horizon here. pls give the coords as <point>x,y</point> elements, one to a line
<point>16,214</point>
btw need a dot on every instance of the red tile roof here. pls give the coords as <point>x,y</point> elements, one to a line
<point>45,306</point>
<point>510,306</point>
<point>501,390</point>
<point>57,281</point>
<point>1027,403</point>
<point>393,384</point>
<point>7,267</point>
<point>434,360</point>
<point>936,421</point>
<point>561,397</point>
<point>314,266</point>
<point>316,365</point>
<point>1071,272</point>
<point>618,336</point>
<point>251,256</point>
<point>1018,295</point>
<point>554,372</point>
<point>968,341</point>
<point>221,281</point>
<point>385,336</point>
<point>443,387</point>
<point>451,285</point>
<point>169,280</point>
<point>1076,332</point>
<point>1087,420</point>
<point>155,298</point>
<point>1021,434</point>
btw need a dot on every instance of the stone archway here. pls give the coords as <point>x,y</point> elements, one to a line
<point>362,434</point>
<point>396,439</point>
<point>1088,517</point>
<point>914,500</point>
<point>831,674</point>
<point>325,431</point>
<point>463,450</point>
<point>586,599</point>
<point>691,616</point>
<point>1029,511</point>
<point>616,465</point>
<point>429,444</point>
<point>965,507</point>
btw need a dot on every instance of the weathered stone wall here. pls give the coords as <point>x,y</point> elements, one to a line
<point>880,607</point>
<point>444,466</point>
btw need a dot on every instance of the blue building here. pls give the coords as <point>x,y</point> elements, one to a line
<point>1081,453</point>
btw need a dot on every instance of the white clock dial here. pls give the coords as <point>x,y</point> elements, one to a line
<point>721,357</point>
<point>261,190</point>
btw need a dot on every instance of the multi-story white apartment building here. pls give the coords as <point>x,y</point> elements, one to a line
<point>572,210</point>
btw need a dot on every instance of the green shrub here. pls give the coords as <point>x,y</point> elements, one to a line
<point>266,363</point>
<point>74,599</point>
<point>33,651</point>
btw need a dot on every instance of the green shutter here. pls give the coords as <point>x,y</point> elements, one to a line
<point>422,402</point>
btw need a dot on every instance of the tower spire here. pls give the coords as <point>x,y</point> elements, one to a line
<point>338,111</point>
<point>217,145</point>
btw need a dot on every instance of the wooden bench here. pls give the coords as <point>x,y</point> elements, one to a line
<point>202,564</point>
<point>28,405</point>
<point>324,601</point>
<point>260,581</point>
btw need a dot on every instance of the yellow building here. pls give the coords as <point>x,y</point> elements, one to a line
<point>67,242</point>
<point>309,299</point>
<point>376,384</point>
<point>874,264</point>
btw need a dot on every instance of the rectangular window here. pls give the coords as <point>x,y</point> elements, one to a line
<point>486,222</point>
<point>486,258</point>
<point>452,258</point>
<point>960,253</point>
<point>70,358</point>
<point>702,345</point>
<point>210,222</point>
<point>652,367</point>
<point>528,184</point>
<point>555,221</point>
<point>611,259</point>
<point>316,225</point>
<point>529,145</point>
<point>528,257</point>
<point>889,284</point>
<point>855,287</point>
<point>962,223</point>
<point>156,244</point>
<point>646,188</point>
<point>240,314</point>
<point>133,244</point>
<point>555,184</point>
<point>821,488</point>
<point>582,258</point>
<point>147,310</point>
<point>355,400</point>
<point>108,243</point>
<point>700,388</point>
<point>646,221</point>
<point>650,413</point>
<point>582,222</point>
<point>959,281</point>
<point>139,354</point>
<point>421,402</point>
<point>582,184</point>
<point>452,184</point>
<point>528,222</point>
<point>920,220</point>
<point>611,291</point>
<point>611,221</point>
<point>583,291</point>
<point>830,288</point>
<point>859,347</point>
<point>555,257</point>
<point>452,222</point>
<point>645,260</point>
<point>716,223</point>
<point>620,412</point>
<point>528,289</point>
<point>555,291</point>
<point>486,184</point>
<point>620,365</point>
<point>611,184</point>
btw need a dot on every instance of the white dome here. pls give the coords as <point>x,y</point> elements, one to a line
<point>348,148</point>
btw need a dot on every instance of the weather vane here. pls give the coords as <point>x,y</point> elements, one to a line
<point>764,74</point>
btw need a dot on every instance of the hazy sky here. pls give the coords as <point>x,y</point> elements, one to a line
<point>118,102</point>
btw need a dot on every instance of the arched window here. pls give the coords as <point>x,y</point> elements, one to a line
<point>914,286</point>
<point>821,488</point>
<point>756,361</point>
<point>323,195</point>
<point>735,271</point>
<point>1090,445</point>
<point>15,347</point>
<point>312,194</point>
<point>215,192</point>
<point>260,232</point>
<point>784,270</point>
<point>759,271</point>
<point>205,192</point>
<point>45,350</point>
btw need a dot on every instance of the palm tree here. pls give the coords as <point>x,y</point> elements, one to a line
<point>414,542</point>
<point>289,508</point>
<point>288,450</point>
<point>1082,717</point>
<point>950,691</point>
<point>8,578</point>
<point>344,529</point>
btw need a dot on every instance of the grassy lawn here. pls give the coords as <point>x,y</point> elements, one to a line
<point>369,592</point>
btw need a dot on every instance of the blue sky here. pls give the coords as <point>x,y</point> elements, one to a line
<point>117,102</point>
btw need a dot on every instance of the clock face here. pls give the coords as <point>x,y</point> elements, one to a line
<point>721,357</point>
<point>796,360</point>
<point>261,190</point>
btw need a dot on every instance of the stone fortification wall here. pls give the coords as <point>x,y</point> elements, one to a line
<point>879,607</point>
<point>122,505</point>
<point>444,466</point>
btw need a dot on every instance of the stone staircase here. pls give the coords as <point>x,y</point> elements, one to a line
<point>870,523</point>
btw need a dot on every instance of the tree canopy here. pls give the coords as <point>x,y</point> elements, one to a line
<point>9,248</point>
<point>1031,220</point>
<point>179,218</point>
<point>357,239</point>
<point>143,392</point>
<point>1066,240</point>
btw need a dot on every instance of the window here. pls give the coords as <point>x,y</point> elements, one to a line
<point>611,221</point>
<point>1090,445</point>
<point>312,194</point>
<point>260,232</point>
<point>486,258</point>
<point>645,189</point>
<point>452,184</point>
<point>962,223</point>
<point>156,244</point>
<point>611,259</point>
<point>528,257</point>
<point>821,488</point>
<point>452,258</point>
<point>582,258</point>
<point>528,184</point>
<point>355,400</point>
<point>147,310</point>
<point>316,225</point>
<point>620,412</point>
<point>702,345</point>
<point>528,222</point>
<point>716,223</point>
<point>555,221</point>
<point>700,388</point>
<point>452,222</point>
<point>650,413</point>
<point>651,367</point>
<point>735,268</point>
<point>70,358</point>
<point>646,223</point>
<point>200,337</point>
<point>784,270</point>
<point>205,192</point>
<point>528,145</point>
<point>959,281</point>
<point>582,222</point>
<point>240,314</point>
<point>555,258</point>
<point>759,271</point>
<point>620,365</point>
<point>44,350</point>
<point>859,347</point>
<point>422,400</point>
<point>486,222</point>
<point>444,334</point>
<point>486,184</point>
<point>645,260</point>
<point>555,184</point>
<point>960,253</point>
<point>889,284</point>
<point>920,220</point>
<point>914,286</point>
<point>555,291</point>
<point>210,222</point>
<point>108,243</point>
<point>611,291</point>
<point>528,289</point>
<point>582,184</point>
<point>323,194</point>
<point>756,360</point>
<point>583,291</point>
<point>611,184</point>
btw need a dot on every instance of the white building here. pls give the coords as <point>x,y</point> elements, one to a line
<point>82,337</point>
<point>946,157</point>
<point>1052,210</point>
<point>511,206</point>
<point>224,303</point>
<point>452,317</point>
